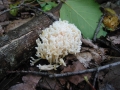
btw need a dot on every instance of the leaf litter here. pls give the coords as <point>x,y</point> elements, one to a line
<point>92,54</point>
<point>12,21</point>
<point>29,83</point>
<point>73,64</point>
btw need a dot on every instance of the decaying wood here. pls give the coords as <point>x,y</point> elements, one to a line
<point>16,45</point>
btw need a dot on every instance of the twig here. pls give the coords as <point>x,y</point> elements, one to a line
<point>4,23</point>
<point>112,57</point>
<point>30,72</point>
<point>84,71</point>
<point>49,14</point>
<point>48,84</point>
<point>109,44</point>
<point>11,8</point>
<point>98,28</point>
<point>68,73</point>
<point>8,82</point>
<point>96,75</point>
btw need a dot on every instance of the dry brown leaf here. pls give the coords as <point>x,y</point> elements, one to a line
<point>29,83</point>
<point>97,54</point>
<point>84,58</point>
<point>31,79</point>
<point>110,77</point>
<point>22,86</point>
<point>77,66</point>
<point>70,58</point>
<point>63,80</point>
<point>114,39</point>
<point>49,84</point>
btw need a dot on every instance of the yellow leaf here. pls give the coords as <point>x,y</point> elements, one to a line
<point>110,19</point>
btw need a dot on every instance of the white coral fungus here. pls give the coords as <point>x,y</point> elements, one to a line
<point>57,41</point>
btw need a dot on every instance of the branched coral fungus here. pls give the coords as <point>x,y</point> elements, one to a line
<point>57,41</point>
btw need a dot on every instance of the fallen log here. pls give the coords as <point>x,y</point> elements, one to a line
<point>17,45</point>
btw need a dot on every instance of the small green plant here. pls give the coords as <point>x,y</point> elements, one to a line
<point>86,79</point>
<point>46,5</point>
<point>13,8</point>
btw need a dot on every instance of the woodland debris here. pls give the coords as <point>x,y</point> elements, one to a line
<point>97,54</point>
<point>16,23</point>
<point>49,84</point>
<point>31,72</point>
<point>109,78</point>
<point>109,44</point>
<point>21,41</point>
<point>73,72</point>
<point>114,39</point>
<point>29,83</point>
<point>76,66</point>
<point>85,71</point>
<point>89,43</point>
<point>1,30</point>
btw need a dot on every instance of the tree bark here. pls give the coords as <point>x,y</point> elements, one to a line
<point>17,45</point>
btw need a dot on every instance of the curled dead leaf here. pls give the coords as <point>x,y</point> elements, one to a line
<point>87,54</point>
<point>84,58</point>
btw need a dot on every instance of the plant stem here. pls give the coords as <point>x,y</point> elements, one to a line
<point>86,79</point>
<point>98,28</point>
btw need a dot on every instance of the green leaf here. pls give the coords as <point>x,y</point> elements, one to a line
<point>84,14</point>
<point>43,4</point>
<point>47,7</point>
<point>53,4</point>
<point>13,10</point>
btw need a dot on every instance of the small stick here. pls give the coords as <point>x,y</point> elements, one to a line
<point>84,71</point>
<point>49,14</point>
<point>68,73</point>
<point>96,75</point>
<point>11,8</point>
<point>98,28</point>
<point>109,44</point>
<point>30,72</point>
